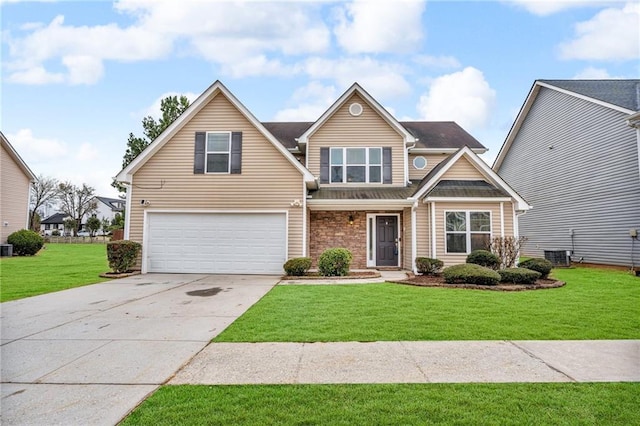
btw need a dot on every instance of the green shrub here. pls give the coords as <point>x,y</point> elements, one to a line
<point>484,258</point>
<point>518,275</point>
<point>470,273</point>
<point>538,264</point>
<point>25,242</point>
<point>122,255</point>
<point>297,266</point>
<point>55,233</point>
<point>334,262</point>
<point>428,266</point>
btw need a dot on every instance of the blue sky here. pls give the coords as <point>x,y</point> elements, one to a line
<point>77,77</point>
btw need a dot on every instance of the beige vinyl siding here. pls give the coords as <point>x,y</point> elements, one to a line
<point>463,170</point>
<point>493,207</point>
<point>433,160</point>
<point>423,230</point>
<point>14,196</point>
<point>268,180</point>
<point>407,261</point>
<point>366,130</point>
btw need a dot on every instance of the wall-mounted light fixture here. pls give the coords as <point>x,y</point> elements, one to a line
<point>350,219</point>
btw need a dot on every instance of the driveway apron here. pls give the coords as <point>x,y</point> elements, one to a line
<point>89,355</point>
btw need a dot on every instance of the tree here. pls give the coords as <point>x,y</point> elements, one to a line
<point>171,108</point>
<point>35,221</point>
<point>118,221</point>
<point>93,224</point>
<point>69,225</point>
<point>76,202</point>
<point>105,225</point>
<point>43,192</point>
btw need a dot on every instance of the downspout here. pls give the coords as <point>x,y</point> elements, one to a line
<point>304,218</point>
<point>433,230</point>
<point>414,235</point>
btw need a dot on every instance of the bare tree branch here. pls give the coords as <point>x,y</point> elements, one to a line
<point>77,202</point>
<point>43,192</point>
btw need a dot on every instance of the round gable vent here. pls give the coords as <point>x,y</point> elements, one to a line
<point>355,109</point>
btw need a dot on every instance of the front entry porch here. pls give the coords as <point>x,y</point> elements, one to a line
<point>374,238</point>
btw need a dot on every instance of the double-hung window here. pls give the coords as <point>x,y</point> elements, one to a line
<point>467,231</point>
<point>356,165</point>
<point>218,152</point>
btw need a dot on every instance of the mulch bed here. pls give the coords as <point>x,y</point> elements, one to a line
<point>438,281</point>
<point>352,275</point>
<point>119,275</point>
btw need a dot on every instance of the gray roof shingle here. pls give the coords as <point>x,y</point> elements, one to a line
<point>377,193</point>
<point>623,93</point>
<point>465,188</point>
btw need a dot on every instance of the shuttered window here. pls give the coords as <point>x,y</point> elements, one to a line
<point>218,152</point>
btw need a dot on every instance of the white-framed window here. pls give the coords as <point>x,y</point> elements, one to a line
<point>355,165</point>
<point>466,231</point>
<point>420,162</point>
<point>218,152</point>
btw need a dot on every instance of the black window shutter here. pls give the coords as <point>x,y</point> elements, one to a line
<point>199,156</point>
<point>386,165</point>
<point>236,152</point>
<point>324,165</point>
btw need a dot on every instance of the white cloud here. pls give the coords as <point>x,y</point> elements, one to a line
<point>311,101</point>
<point>464,97</point>
<point>612,34</point>
<point>87,152</point>
<point>241,37</point>
<point>35,150</point>
<point>381,26</point>
<point>382,79</point>
<point>549,7</point>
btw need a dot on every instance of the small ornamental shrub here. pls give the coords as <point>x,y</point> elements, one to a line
<point>518,275</point>
<point>538,264</point>
<point>334,262</point>
<point>25,242</point>
<point>55,233</point>
<point>297,266</point>
<point>484,258</point>
<point>122,255</point>
<point>470,273</point>
<point>428,266</point>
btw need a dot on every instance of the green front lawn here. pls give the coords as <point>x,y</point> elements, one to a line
<point>56,267</point>
<point>595,304</point>
<point>400,404</point>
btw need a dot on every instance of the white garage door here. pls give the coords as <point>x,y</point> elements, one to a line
<point>216,243</point>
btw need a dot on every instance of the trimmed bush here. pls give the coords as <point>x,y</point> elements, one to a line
<point>538,264</point>
<point>25,242</point>
<point>428,266</point>
<point>484,258</point>
<point>297,266</point>
<point>122,255</point>
<point>334,262</point>
<point>470,273</point>
<point>518,275</point>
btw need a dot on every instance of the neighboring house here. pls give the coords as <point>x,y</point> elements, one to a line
<point>220,192</point>
<point>106,208</point>
<point>15,190</point>
<point>53,223</point>
<point>573,153</point>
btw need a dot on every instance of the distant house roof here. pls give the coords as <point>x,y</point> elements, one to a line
<point>429,134</point>
<point>466,188</point>
<point>54,219</point>
<point>623,93</point>
<point>116,204</point>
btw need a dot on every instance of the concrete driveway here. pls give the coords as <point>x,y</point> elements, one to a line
<point>89,355</point>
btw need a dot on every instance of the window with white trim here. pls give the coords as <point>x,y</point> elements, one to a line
<point>218,152</point>
<point>356,165</point>
<point>467,231</point>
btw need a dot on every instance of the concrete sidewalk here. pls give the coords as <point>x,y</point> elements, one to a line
<point>415,362</point>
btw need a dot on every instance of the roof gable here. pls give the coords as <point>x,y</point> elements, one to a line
<point>366,97</point>
<point>435,176</point>
<point>214,90</point>
<point>16,158</point>
<point>608,93</point>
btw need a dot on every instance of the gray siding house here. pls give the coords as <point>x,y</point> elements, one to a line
<point>572,153</point>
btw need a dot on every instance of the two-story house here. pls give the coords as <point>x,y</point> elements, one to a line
<point>221,192</point>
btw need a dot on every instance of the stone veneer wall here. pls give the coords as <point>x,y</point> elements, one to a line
<point>328,229</point>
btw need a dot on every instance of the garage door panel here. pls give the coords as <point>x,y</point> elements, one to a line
<point>216,242</point>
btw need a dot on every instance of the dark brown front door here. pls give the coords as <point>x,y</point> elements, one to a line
<point>386,241</point>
